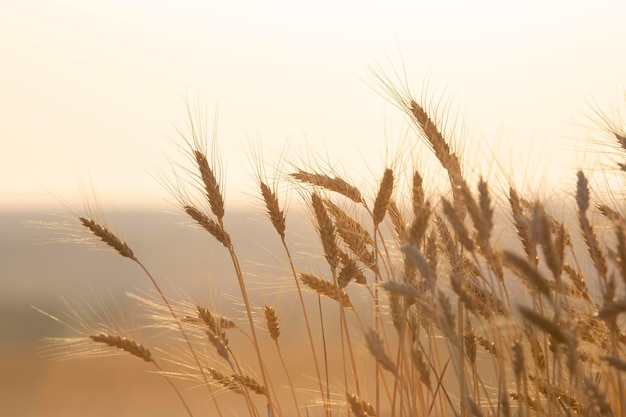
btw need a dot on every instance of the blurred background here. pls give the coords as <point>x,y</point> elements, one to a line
<point>93,95</point>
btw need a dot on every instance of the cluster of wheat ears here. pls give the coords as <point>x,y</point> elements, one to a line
<point>447,322</point>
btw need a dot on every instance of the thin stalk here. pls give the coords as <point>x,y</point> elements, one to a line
<point>308,327</point>
<point>246,300</point>
<point>184,334</point>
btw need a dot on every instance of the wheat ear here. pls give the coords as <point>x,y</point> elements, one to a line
<point>335,184</point>
<point>108,237</point>
<point>211,185</point>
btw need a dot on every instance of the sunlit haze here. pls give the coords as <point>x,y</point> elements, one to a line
<point>97,89</point>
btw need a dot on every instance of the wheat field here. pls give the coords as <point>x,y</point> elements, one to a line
<point>408,302</point>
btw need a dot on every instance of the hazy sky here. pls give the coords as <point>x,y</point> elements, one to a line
<point>97,88</point>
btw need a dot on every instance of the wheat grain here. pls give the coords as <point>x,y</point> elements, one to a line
<point>209,225</point>
<point>108,237</point>
<point>271,321</point>
<point>399,224</point>
<point>335,184</point>
<point>457,224</point>
<point>326,288</point>
<point>326,230</point>
<point>350,271</point>
<point>211,186</point>
<point>125,344</point>
<point>276,215</point>
<point>250,383</point>
<point>382,199</point>
<point>377,349</point>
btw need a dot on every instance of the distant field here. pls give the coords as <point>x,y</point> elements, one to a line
<point>36,271</point>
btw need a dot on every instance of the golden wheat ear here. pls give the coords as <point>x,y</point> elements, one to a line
<point>108,237</point>
<point>123,343</point>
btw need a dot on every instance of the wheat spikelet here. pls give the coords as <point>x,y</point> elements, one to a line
<point>418,197</point>
<point>399,225</point>
<point>548,326</point>
<point>209,225</point>
<point>276,215</point>
<point>382,199</point>
<point>325,288</point>
<point>401,288</point>
<point>271,322</point>
<point>457,224</point>
<point>350,271</point>
<point>421,210</point>
<point>219,343</point>
<point>543,231</point>
<point>579,282</point>
<point>225,380</point>
<point>355,406</point>
<point>353,234</point>
<point>486,344</point>
<point>527,272</point>
<point>332,184</point>
<point>446,315</point>
<point>360,408</point>
<point>108,237</point>
<point>488,303</point>
<point>420,224</point>
<point>518,360</point>
<point>619,257</point>
<point>469,341</point>
<point>415,256</point>
<point>326,231</point>
<point>522,226</point>
<point>437,142</point>
<point>125,344</point>
<point>609,213</point>
<point>484,200</point>
<point>465,297</point>
<point>582,192</point>
<point>377,349</point>
<point>249,383</point>
<point>431,251</point>
<point>535,347</point>
<point>470,203</point>
<point>397,311</point>
<point>419,361</point>
<point>213,322</point>
<point>589,235</point>
<point>211,186</point>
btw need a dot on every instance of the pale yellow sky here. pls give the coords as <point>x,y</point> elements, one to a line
<point>97,87</point>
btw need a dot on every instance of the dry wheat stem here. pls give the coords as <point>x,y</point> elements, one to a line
<point>123,249</point>
<point>326,398</point>
<point>184,334</point>
<point>247,305</point>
